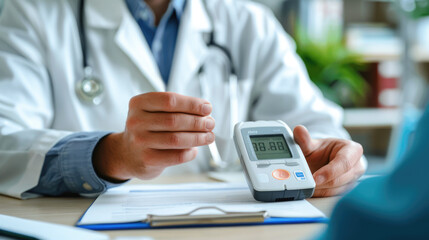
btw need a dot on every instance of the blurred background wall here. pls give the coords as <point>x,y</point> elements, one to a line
<point>369,56</point>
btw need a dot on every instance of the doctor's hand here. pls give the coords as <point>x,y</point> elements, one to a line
<point>335,163</point>
<point>162,129</point>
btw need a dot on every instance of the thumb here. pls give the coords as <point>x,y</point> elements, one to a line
<point>303,139</point>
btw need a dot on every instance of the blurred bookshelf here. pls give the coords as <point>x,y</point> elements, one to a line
<point>373,129</point>
<point>359,118</point>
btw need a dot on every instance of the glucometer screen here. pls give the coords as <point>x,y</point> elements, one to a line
<point>270,147</point>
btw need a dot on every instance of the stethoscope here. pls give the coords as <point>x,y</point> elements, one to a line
<point>91,90</point>
<point>216,161</point>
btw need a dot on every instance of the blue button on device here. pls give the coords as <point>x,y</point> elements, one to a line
<point>300,175</point>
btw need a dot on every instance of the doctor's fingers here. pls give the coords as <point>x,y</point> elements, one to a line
<point>304,140</point>
<point>169,157</point>
<point>344,160</point>
<point>347,178</point>
<point>174,140</point>
<point>328,192</point>
<point>170,102</point>
<point>172,122</point>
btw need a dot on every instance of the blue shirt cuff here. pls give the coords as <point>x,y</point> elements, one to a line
<point>68,167</point>
<point>76,164</point>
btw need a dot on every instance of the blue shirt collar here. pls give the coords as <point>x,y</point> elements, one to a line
<point>138,6</point>
<point>179,7</point>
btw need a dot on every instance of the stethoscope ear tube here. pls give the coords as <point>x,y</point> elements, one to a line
<point>216,161</point>
<point>233,102</point>
<point>89,89</point>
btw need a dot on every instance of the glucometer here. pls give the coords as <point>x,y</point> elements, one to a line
<point>274,165</point>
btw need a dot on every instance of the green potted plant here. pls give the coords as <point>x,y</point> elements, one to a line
<point>333,68</point>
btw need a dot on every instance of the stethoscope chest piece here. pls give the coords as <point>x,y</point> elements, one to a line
<point>90,89</point>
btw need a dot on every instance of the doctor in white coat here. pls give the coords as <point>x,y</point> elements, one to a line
<point>146,124</point>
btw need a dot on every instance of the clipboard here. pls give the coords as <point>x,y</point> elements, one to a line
<point>198,217</point>
<point>229,219</point>
<point>191,219</point>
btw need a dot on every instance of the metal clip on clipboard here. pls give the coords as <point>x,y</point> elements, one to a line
<point>190,219</point>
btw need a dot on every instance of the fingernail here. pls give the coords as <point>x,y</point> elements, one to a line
<point>207,109</point>
<point>320,180</point>
<point>210,137</point>
<point>210,123</point>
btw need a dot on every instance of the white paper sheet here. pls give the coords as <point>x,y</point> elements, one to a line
<point>133,203</point>
<point>229,177</point>
<point>47,231</point>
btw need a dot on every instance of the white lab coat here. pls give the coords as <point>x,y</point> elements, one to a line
<point>41,61</point>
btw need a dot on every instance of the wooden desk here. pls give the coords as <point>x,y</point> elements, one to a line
<point>67,210</point>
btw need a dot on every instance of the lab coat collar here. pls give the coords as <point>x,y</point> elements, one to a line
<point>114,14</point>
<point>137,7</point>
<point>104,13</point>
<point>199,20</point>
<point>191,47</point>
<point>109,13</point>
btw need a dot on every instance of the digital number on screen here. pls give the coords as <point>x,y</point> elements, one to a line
<point>270,147</point>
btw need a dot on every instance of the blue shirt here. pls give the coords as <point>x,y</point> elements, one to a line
<point>162,38</point>
<point>395,206</point>
<point>68,165</point>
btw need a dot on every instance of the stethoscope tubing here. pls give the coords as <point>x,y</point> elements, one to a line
<point>82,33</point>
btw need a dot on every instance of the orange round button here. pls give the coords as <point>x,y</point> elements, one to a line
<point>280,174</point>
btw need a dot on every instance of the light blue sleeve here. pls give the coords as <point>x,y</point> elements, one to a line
<point>395,206</point>
<point>68,167</point>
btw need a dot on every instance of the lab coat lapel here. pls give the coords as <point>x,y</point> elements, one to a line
<point>191,48</point>
<point>129,38</point>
